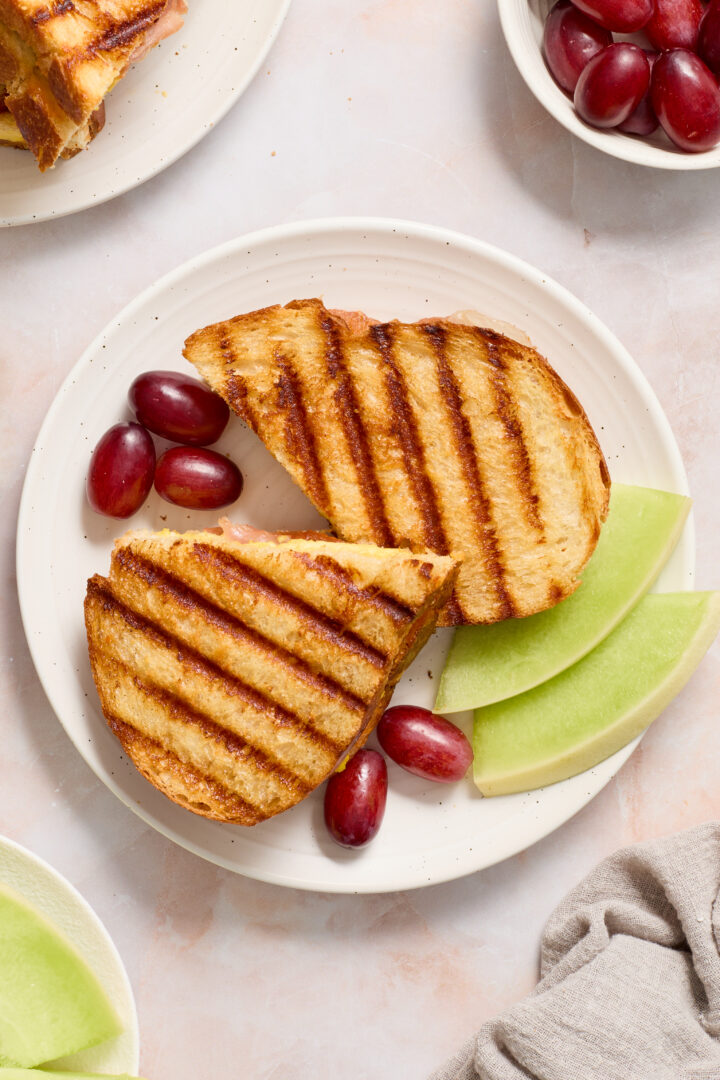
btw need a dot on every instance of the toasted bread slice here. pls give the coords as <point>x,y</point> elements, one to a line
<point>59,60</point>
<point>428,435</point>
<point>238,675</point>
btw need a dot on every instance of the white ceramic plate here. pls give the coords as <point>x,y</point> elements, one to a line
<point>522,23</point>
<point>64,907</point>
<point>431,833</point>
<point>158,112</point>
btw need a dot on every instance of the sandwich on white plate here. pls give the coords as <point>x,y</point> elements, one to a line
<point>60,58</point>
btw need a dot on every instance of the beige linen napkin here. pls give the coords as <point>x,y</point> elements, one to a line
<point>629,976</point>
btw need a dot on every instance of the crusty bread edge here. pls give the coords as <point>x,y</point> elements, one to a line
<point>420,630</point>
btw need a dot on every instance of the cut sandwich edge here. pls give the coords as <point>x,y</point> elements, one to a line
<point>213,352</point>
<point>179,779</point>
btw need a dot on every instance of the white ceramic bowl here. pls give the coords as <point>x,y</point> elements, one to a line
<point>522,23</point>
<point>54,897</point>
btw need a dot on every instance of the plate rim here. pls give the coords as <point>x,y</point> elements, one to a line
<point>38,861</point>
<point>622,147</point>
<point>183,147</point>
<point>311,229</point>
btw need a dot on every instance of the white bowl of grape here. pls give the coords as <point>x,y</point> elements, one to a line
<point>637,79</point>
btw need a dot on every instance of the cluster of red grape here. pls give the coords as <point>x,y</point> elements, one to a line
<point>123,466</point>
<point>428,746</point>
<point>621,84</point>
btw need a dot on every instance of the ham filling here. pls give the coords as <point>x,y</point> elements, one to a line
<point>248,534</point>
<point>243,534</point>
<point>169,23</point>
<point>358,323</point>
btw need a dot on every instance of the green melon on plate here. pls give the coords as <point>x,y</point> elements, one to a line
<point>43,1074</point>
<point>587,712</point>
<point>51,1003</point>
<point>490,663</point>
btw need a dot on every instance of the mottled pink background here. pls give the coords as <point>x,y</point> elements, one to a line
<point>397,107</point>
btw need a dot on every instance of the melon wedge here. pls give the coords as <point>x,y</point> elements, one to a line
<point>41,1074</point>
<point>51,1004</point>
<point>490,663</point>
<point>589,711</point>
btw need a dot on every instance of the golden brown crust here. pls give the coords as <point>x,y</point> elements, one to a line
<point>58,61</point>
<point>30,128</point>
<point>105,43</point>
<point>37,126</point>
<point>429,435</point>
<point>182,783</point>
<point>237,676</point>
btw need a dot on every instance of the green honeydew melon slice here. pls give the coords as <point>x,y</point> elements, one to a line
<point>490,663</point>
<point>41,1074</point>
<point>51,1004</point>
<point>586,713</point>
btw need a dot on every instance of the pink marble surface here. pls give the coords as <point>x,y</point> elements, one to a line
<point>391,107</point>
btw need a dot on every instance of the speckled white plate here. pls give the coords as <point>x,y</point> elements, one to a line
<point>431,833</point>
<point>158,112</point>
<point>55,898</point>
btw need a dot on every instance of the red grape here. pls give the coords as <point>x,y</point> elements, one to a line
<point>612,85</point>
<point>355,799</point>
<point>624,16</point>
<point>570,39</point>
<point>709,37</point>
<point>643,120</point>
<point>197,479</point>
<point>686,99</point>
<point>424,744</point>
<point>178,407</point>
<point>674,24</point>
<point>121,471</point>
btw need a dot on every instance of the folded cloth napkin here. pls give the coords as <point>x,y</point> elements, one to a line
<point>630,976</point>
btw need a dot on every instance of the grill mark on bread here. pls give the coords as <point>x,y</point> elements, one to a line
<point>333,632</point>
<point>414,456</point>
<point>605,477</point>
<point>300,438</point>
<point>556,592</point>
<point>115,33</point>
<point>139,746</point>
<point>156,577</point>
<point>587,501</point>
<point>101,590</point>
<point>235,390</point>
<point>531,557</point>
<point>120,33</point>
<point>477,496</point>
<point>238,398</point>
<point>575,465</point>
<point>100,40</point>
<point>58,9</point>
<point>225,348</point>
<point>345,398</point>
<point>342,579</point>
<point>507,411</point>
<point>237,746</point>
<point>408,437</point>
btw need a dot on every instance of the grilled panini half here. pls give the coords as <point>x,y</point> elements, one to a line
<point>238,675</point>
<point>58,60</point>
<point>429,435</point>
